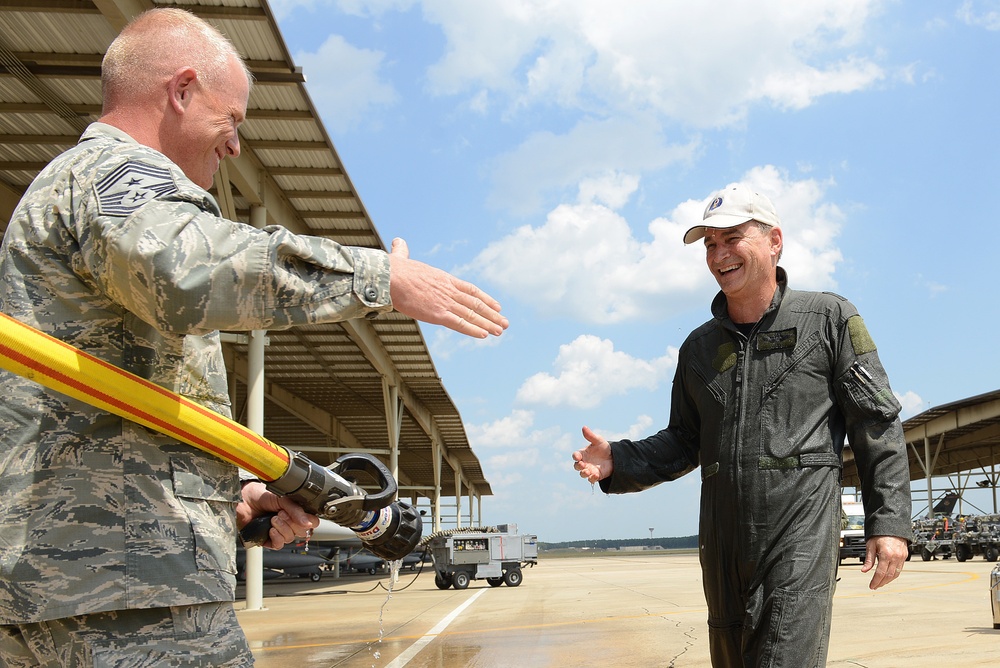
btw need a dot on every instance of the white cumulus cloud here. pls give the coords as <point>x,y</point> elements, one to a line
<point>586,263</point>
<point>345,93</point>
<point>700,63</point>
<point>911,402</point>
<point>589,369</point>
<point>982,13</point>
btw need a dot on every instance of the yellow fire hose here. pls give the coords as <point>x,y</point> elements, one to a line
<point>61,367</point>
<point>388,528</point>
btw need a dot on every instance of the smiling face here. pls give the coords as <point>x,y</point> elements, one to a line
<point>207,127</point>
<point>742,259</point>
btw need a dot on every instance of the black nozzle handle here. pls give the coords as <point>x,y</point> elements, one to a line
<point>257,531</point>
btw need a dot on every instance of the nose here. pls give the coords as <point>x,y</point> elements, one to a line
<point>713,253</point>
<point>233,146</point>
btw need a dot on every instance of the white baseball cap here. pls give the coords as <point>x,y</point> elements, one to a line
<point>733,206</point>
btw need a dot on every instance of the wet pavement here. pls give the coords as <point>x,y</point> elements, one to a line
<point>636,609</point>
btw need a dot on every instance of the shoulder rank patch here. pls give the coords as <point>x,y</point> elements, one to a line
<point>861,340</point>
<point>776,340</point>
<point>125,189</point>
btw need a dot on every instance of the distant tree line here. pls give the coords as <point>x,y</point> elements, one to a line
<point>675,543</point>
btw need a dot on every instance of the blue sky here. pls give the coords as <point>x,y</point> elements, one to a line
<point>553,152</point>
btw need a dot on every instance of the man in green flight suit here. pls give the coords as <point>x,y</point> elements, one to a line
<point>764,396</point>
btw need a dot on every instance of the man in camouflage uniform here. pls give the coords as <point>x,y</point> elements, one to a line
<point>764,395</point>
<point>117,544</point>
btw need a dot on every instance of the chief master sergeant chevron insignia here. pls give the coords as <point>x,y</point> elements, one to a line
<point>129,186</point>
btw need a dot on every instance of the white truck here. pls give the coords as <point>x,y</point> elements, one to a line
<point>852,528</point>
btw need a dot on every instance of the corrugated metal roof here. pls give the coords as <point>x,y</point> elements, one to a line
<point>325,390</point>
<point>963,435</point>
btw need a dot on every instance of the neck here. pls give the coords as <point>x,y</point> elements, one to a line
<point>142,125</point>
<point>752,308</point>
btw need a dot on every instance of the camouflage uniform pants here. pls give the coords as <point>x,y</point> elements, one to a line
<point>194,635</point>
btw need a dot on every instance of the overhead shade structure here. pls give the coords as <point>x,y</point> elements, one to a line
<point>957,437</point>
<point>359,386</point>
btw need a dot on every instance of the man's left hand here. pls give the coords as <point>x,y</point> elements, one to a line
<point>886,554</point>
<point>290,522</point>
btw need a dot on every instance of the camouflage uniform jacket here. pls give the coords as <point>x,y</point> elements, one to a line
<point>115,251</point>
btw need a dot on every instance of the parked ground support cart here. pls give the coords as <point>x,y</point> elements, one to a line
<point>995,596</point>
<point>933,538</point>
<point>978,534</point>
<point>496,554</point>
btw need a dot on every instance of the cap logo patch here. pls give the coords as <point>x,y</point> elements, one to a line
<point>716,203</point>
<point>132,185</point>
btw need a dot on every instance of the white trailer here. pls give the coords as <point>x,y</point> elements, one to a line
<point>495,554</point>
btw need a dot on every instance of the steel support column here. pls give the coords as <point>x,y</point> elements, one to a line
<point>255,421</point>
<point>393,423</point>
<point>436,461</point>
<point>458,498</point>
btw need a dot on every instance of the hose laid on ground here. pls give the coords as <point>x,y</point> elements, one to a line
<point>61,367</point>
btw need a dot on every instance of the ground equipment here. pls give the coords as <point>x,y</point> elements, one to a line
<point>995,596</point>
<point>933,537</point>
<point>496,554</point>
<point>977,534</point>
<point>388,528</point>
<point>965,537</point>
<point>852,528</point>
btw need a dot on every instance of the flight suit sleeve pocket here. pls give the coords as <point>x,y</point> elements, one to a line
<point>867,393</point>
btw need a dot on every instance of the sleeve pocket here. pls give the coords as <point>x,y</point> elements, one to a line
<point>867,396</point>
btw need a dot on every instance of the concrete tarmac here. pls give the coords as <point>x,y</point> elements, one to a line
<point>617,609</point>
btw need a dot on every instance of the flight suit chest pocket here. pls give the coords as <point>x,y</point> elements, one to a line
<point>795,396</point>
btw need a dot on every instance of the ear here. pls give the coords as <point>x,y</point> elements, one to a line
<point>180,88</point>
<point>777,241</point>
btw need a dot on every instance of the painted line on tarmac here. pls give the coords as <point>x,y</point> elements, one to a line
<point>412,650</point>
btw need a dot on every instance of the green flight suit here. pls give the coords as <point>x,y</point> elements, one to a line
<point>766,417</point>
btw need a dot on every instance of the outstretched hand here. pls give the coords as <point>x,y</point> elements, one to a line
<point>594,462</point>
<point>289,521</point>
<point>434,296</point>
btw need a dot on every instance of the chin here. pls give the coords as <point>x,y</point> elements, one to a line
<point>205,182</point>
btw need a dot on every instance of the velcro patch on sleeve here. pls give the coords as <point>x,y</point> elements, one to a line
<point>861,340</point>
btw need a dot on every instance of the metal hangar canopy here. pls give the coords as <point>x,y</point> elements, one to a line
<point>330,389</point>
<point>959,436</point>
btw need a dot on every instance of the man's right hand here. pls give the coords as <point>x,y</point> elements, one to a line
<point>433,295</point>
<point>594,462</point>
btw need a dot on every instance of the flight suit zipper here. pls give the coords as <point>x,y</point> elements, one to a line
<point>737,450</point>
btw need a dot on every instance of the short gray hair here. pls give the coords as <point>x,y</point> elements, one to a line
<point>766,229</point>
<point>157,43</point>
